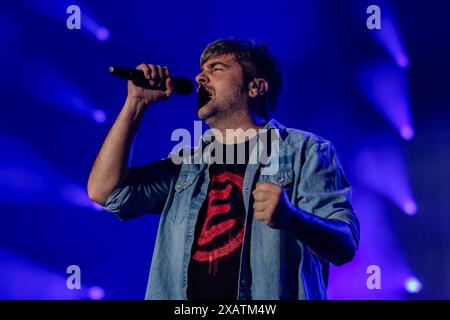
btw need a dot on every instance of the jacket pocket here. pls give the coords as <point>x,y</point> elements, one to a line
<point>283,178</point>
<point>182,198</point>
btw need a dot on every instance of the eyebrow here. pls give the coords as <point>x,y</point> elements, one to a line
<point>213,64</point>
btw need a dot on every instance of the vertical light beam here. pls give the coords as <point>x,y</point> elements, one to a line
<point>385,87</point>
<point>45,82</point>
<point>384,170</point>
<point>389,36</point>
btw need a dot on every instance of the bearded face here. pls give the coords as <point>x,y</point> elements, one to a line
<point>221,93</point>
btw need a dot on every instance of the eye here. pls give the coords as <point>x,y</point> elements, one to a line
<point>217,69</point>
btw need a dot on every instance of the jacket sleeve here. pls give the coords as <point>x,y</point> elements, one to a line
<point>323,188</point>
<point>144,190</point>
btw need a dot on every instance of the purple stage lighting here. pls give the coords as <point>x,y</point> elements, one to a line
<point>409,207</point>
<point>26,178</point>
<point>407,132</point>
<point>378,248</point>
<point>23,278</point>
<point>96,293</point>
<point>99,116</point>
<point>101,33</point>
<point>413,285</point>
<point>389,37</point>
<point>57,10</point>
<point>402,60</point>
<point>384,170</point>
<point>96,206</point>
<point>78,196</point>
<point>55,89</point>
<point>385,87</point>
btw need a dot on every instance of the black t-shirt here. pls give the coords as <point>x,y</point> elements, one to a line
<point>219,234</point>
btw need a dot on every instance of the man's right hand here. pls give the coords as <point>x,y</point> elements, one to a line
<point>156,76</point>
<point>111,165</point>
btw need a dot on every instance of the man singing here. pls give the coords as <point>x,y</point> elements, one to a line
<point>227,230</point>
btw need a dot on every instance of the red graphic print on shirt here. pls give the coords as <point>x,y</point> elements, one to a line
<point>212,245</point>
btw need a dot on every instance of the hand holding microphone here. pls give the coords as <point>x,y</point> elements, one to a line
<point>150,83</point>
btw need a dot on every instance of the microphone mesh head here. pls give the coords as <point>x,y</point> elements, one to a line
<point>184,86</point>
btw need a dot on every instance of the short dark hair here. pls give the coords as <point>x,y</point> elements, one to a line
<point>256,61</point>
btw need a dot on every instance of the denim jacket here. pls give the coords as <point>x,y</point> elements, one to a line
<point>274,264</point>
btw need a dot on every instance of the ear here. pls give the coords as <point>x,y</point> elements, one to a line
<point>258,87</point>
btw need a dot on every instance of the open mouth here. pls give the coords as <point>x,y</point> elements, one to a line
<point>203,96</point>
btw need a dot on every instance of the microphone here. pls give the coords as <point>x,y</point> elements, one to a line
<point>182,85</point>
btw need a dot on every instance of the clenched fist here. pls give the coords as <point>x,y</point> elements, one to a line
<point>271,205</point>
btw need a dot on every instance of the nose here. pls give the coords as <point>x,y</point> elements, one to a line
<point>201,78</point>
